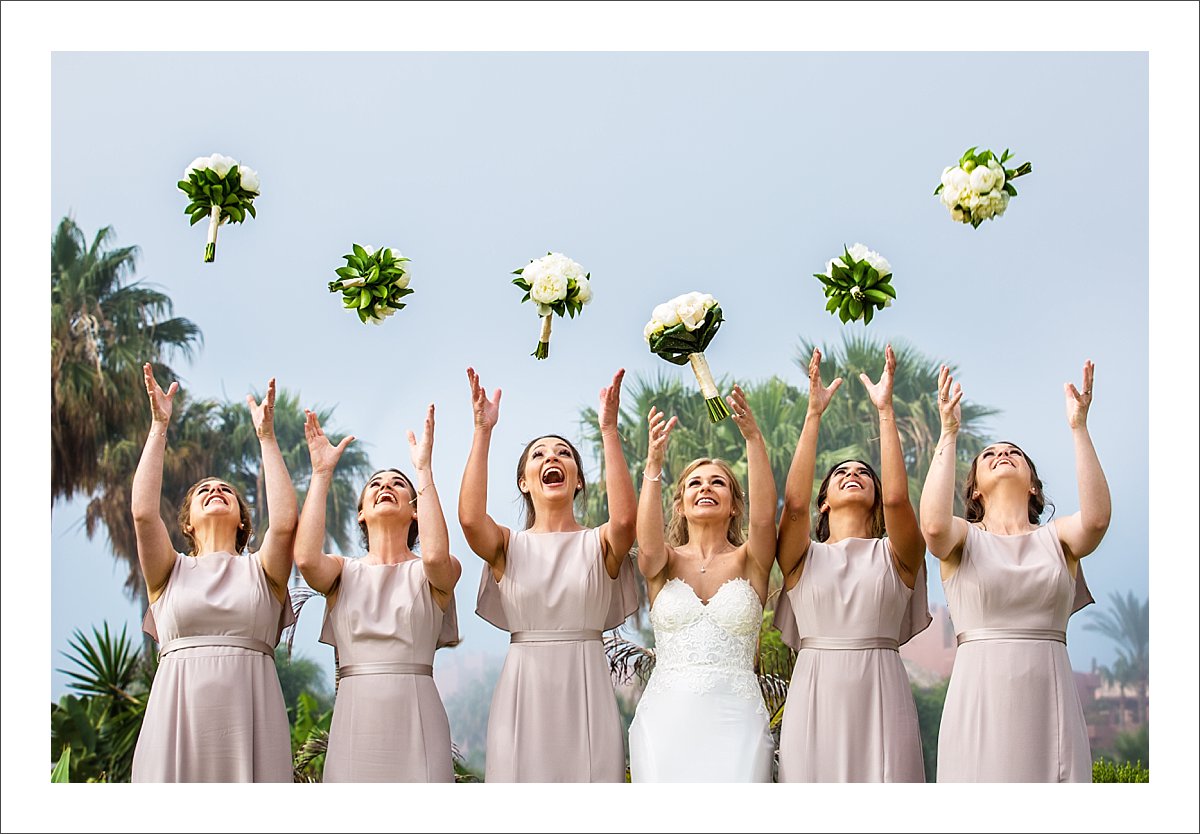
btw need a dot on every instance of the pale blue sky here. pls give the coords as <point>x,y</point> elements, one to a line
<point>737,174</point>
<point>764,207</point>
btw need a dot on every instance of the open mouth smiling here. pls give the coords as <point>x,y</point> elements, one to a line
<point>553,476</point>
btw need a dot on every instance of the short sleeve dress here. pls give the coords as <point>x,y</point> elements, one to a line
<point>1012,712</point>
<point>849,714</point>
<point>216,712</point>
<point>389,724</point>
<point>554,715</point>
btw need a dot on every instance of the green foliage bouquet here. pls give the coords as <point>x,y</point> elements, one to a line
<point>857,283</point>
<point>373,282</point>
<point>979,186</point>
<point>558,286</point>
<point>679,330</point>
<point>221,189</point>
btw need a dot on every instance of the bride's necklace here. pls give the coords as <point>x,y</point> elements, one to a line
<point>704,563</point>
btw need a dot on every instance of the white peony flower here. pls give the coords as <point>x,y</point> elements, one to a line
<point>861,253</point>
<point>402,281</point>
<point>691,310</point>
<point>997,169</point>
<point>984,211</point>
<point>972,201</point>
<point>249,178</point>
<point>666,314</point>
<point>950,197</point>
<point>369,249</point>
<point>948,176</point>
<point>960,179</point>
<point>653,326</point>
<point>982,179</point>
<point>584,295</point>
<point>546,289</point>
<point>220,164</point>
<point>197,164</point>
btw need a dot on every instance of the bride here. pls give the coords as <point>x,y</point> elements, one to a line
<point>702,716</point>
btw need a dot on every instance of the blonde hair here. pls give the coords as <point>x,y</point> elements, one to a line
<point>677,529</point>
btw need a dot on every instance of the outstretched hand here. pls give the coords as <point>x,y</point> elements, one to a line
<point>740,411</point>
<point>422,452</point>
<point>818,395</point>
<point>881,392</point>
<point>323,454</point>
<point>487,412</point>
<point>949,400</point>
<point>1078,402</point>
<point>659,432</point>
<point>610,402</point>
<point>161,404</point>
<point>263,414</point>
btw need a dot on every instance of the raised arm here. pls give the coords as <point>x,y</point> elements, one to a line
<point>319,569</point>
<point>279,537</point>
<point>618,534</point>
<point>441,568</point>
<point>904,534</point>
<point>764,497</point>
<point>944,533</point>
<point>795,525</point>
<point>652,545</point>
<point>155,552</point>
<point>1081,533</point>
<point>485,537</point>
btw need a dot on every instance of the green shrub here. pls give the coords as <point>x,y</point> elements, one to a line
<point>1106,771</point>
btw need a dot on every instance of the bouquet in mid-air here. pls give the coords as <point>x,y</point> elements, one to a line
<point>857,283</point>
<point>979,187</point>
<point>223,190</point>
<point>557,285</point>
<point>679,330</point>
<point>372,282</point>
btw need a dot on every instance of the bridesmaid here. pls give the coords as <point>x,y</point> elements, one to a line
<point>216,712</point>
<point>555,585</point>
<point>1012,713</point>
<point>385,614</point>
<point>849,600</point>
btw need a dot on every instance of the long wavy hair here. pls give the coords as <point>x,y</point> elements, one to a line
<point>677,529</point>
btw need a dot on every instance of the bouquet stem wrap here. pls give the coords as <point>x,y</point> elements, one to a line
<point>543,346</point>
<point>210,248</point>
<point>717,409</point>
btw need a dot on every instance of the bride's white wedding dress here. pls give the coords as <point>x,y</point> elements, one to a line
<point>702,716</point>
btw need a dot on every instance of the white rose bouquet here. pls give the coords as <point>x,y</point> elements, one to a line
<point>979,187</point>
<point>857,283</point>
<point>373,282</point>
<point>557,285</point>
<point>679,330</point>
<point>221,189</point>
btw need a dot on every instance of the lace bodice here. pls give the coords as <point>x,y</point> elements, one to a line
<point>697,645</point>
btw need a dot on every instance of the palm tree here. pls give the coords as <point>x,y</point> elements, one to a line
<point>850,427</point>
<point>1127,624</point>
<point>102,328</point>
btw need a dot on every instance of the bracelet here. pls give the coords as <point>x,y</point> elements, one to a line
<point>649,477</point>
<point>154,433</point>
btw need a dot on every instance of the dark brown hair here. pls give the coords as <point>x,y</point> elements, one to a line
<point>677,529</point>
<point>1037,499</point>
<point>363,536</point>
<point>245,531</point>
<point>877,523</point>
<point>530,513</point>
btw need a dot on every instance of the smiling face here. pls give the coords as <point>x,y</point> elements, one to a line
<point>388,497</point>
<point>997,464</point>
<point>707,491</point>
<point>850,484</point>
<point>213,501</point>
<point>550,470</point>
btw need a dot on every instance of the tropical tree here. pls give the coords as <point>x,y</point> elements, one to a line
<point>102,328</point>
<point>1127,623</point>
<point>93,731</point>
